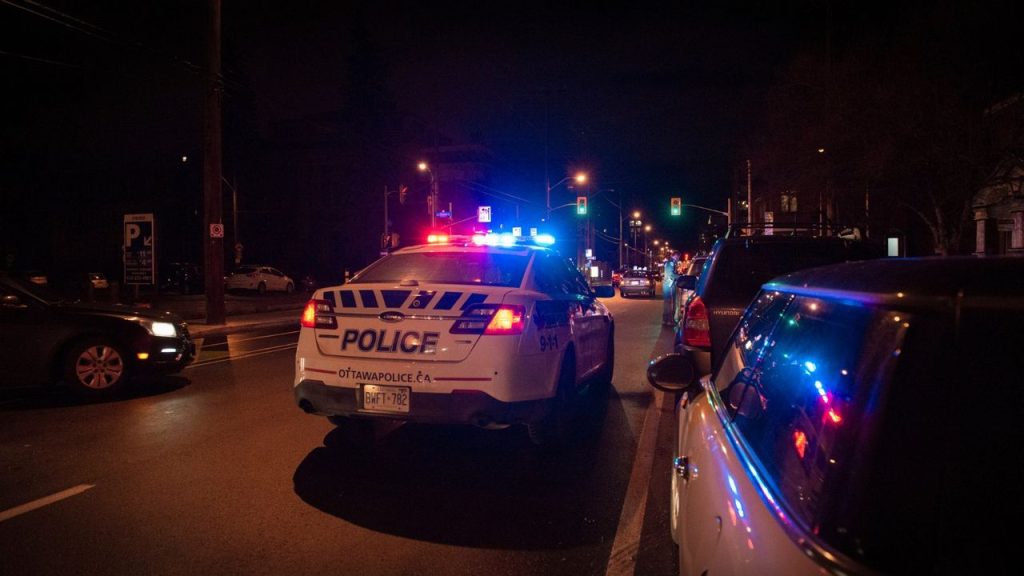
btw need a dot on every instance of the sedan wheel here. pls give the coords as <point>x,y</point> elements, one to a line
<point>262,288</point>
<point>96,367</point>
<point>289,288</point>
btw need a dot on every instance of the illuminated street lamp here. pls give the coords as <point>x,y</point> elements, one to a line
<point>579,177</point>
<point>432,201</point>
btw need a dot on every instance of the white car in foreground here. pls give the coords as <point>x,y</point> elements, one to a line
<point>483,331</point>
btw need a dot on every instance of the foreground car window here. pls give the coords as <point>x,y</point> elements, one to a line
<point>478,268</point>
<point>806,405</point>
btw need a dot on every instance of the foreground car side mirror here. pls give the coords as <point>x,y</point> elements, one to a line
<point>671,373</point>
<point>686,282</point>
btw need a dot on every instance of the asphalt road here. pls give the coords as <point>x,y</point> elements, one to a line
<point>216,471</point>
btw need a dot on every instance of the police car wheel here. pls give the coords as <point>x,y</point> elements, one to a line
<point>555,429</point>
<point>604,378</point>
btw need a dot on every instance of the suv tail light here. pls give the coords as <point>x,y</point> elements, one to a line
<point>696,330</point>
<point>491,320</point>
<point>318,314</point>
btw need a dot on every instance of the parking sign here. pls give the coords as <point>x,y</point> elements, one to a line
<point>139,249</point>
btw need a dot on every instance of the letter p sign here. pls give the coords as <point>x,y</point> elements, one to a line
<point>131,233</point>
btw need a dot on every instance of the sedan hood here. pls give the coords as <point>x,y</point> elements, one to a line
<point>120,311</point>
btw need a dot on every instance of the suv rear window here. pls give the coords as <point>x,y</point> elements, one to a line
<point>479,268</point>
<point>740,268</point>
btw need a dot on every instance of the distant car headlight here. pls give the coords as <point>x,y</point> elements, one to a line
<point>156,328</point>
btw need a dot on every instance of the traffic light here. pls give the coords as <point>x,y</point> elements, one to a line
<point>677,206</point>
<point>581,205</point>
<point>402,191</point>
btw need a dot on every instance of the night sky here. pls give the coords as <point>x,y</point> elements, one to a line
<point>103,99</point>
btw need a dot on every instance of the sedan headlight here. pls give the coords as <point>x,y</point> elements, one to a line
<point>157,328</point>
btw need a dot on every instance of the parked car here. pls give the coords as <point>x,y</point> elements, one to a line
<point>616,278</point>
<point>97,280</point>
<point>683,287</point>
<point>863,420</point>
<point>94,349</point>
<point>737,267</point>
<point>637,282</point>
<point>262,279</point>
<point>182,277</point>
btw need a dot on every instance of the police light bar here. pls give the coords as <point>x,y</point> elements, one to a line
<point>505,239</point>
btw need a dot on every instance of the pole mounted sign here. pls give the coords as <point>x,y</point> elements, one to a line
<point>139,249</point>
<point>483,214</point>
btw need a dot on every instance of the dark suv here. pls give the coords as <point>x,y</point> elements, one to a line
<point>864,418</point>
<point>737,267</point>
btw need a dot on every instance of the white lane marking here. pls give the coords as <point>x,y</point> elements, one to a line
<point>45,501</point>
<point>622,560</point>
<point>239,341</point>
<point>270,350</point>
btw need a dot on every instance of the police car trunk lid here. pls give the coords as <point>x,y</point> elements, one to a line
<point>392,322</point>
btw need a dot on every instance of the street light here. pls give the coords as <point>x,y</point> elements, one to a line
<point>579,177</point>
<point>432,201</point>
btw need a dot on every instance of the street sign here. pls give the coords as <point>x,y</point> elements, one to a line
<point>443,214</point>
<point>517,231</point>
<point>533,231</point>
<point>139,249</point>
<point>483,214</point>
<point>216,230</point>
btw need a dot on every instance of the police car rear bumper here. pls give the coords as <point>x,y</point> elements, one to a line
<point>458,407</point>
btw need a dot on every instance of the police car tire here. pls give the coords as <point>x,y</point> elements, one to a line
<point>604,378</point>
<point>555,429</point>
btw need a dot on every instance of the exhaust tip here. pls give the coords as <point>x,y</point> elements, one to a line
<point>306,406</point>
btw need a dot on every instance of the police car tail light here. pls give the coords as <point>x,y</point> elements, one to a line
<point>319,314</point>
<point>491,319</point>
<point>696,330</point>
<point>506,320</point>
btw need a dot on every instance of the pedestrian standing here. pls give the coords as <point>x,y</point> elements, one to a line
<point>668,281</point>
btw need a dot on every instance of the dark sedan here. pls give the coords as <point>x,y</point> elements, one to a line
<point>94,349</point>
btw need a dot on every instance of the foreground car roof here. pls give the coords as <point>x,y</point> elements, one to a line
<point>928,282</point>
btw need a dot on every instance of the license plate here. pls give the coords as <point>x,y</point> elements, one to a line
<point>386,398</point>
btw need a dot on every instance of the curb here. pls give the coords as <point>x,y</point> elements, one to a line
<point>204,331</point>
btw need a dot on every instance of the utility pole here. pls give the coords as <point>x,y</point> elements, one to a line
<point>213,231</point>
<point>750,197</point>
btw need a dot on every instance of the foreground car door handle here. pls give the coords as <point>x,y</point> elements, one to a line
<point>681,464</point>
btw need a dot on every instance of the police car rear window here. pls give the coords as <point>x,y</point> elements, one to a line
<point>476,268</point>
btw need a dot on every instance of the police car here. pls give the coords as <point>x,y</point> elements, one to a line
<point>485,330</point>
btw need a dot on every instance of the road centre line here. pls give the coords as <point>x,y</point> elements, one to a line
<point>239,341</point>
<point>622,560</point>
<point>44,501</point>
<point>242,356</point>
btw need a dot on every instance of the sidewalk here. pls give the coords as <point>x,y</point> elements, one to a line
<point>242,313</point>
<point>280,319</point>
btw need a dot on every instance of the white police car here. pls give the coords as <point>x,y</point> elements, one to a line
<point>481,330</point>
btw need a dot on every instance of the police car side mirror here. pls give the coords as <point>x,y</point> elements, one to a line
<point>604,291</point>
<point>671,373</point>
